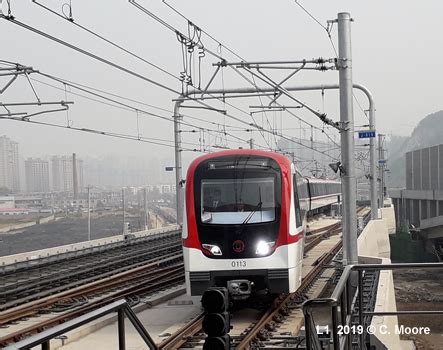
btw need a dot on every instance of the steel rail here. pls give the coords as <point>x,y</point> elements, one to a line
<point>65,257</point>
<point>160,281</point>
<point>78,271</point>
<point>282,302</point>
<point>68,256</point>
<point>106,266</point>
<point>181,336</point>
<point>97,286</point>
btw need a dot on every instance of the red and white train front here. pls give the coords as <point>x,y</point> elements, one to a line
<point>243,226</point>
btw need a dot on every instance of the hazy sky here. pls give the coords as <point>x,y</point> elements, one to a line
<point>397,54</point>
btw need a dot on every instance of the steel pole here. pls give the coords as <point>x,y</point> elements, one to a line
<point>245,92</point>
<point>372,158</point>
<point>380,171</point>
<point>89,213</point>
<point>178,163</point>
<point>123,207</point>
<point>349,186</point>
<point>145,209</point>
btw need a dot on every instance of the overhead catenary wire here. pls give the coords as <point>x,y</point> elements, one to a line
<point>171,28</point>
<point>101,37</point>
<point>123,106</point>
<point>74,84</point>
<point>328,30</point>
<point>288,111</point>
<point>118,104</point>
<point>175,30</point>
<point>98,132</point>
<point>101,59</point>
<point>131,108</point>
<point>203,31</point>
<point>87,53</point>
<point>12,19</point>
<point>232,52</point>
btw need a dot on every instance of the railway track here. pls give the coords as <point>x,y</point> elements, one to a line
<point>191,334</point>
<point>21,285</point>
<point>285,304</point>
<point>155,264</point>
<point>161,280</point>
<point>67,288</point>
<point>130,286</point>
<point>259,331</point>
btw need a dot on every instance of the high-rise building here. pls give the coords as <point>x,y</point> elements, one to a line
<point>63,174</point>
<point>37,175</point>
<point>9,164</point>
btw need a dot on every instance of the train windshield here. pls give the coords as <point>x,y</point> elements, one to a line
<point>238,201</point>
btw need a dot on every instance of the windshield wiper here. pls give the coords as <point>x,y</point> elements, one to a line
<point>257,207</point>
<point>251,214</point>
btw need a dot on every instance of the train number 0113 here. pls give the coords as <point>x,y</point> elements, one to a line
<point>238,263</point>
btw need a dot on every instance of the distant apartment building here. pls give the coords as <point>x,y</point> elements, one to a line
<point>7,202</point>
<point>9,164</point>
<point>37,175</point>
<point>162,188</point>
<point>63,174</point>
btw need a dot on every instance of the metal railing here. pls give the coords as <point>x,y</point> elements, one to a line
<point>346,304</point>
<point>121,307</point>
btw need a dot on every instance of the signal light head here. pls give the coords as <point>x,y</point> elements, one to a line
<point>215,300</point>
<point>217,343</point>
<point>216,324</point>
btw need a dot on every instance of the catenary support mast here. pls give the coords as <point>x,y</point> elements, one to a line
<point>178,164</point>
<point>349,185</point>
<point>346,71</point>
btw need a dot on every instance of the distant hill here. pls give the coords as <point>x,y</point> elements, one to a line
<point>429,132</point>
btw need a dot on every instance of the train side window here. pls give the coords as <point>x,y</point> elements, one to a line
<point>297,202</point>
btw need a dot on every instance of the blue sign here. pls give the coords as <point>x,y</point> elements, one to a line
<point>382,161</point>
<point>366,134</point>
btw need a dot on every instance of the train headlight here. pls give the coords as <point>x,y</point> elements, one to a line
<point>263,248</point>
<point>213,249</point>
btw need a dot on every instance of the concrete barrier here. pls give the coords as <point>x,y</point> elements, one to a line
<point>384,326</point>
<point>388,214</point>
<point>14,227</point>
<point>46,219</point>
<point>36,254</point>
<point>374,248</point>
<point>374,240</point>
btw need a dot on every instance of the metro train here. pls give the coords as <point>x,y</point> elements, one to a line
<point>245,221</point>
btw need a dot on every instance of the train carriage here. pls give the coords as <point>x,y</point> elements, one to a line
<point>244,223</point>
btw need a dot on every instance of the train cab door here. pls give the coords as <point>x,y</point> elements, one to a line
<point>300,215</point>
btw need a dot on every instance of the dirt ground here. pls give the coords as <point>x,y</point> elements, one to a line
<point>421,290</point>
<point>69,230</point>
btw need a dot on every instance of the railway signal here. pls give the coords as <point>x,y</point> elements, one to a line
<point>216,322</point>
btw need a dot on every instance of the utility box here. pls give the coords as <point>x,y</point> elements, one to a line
<point>127,228</point>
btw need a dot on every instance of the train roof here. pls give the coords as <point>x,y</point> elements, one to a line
<point>281,159</point>
<point>326,181</point>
